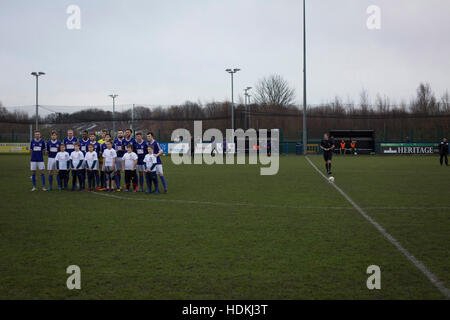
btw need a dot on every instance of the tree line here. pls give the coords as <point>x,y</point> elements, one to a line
<point>424,118</point>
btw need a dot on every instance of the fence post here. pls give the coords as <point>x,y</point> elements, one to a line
<point>31,132</point>
<point>12,135</point>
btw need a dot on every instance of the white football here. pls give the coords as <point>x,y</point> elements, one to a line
<point>331,179</point>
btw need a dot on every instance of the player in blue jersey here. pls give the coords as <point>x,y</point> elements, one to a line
<point>140,148</point>
<point>128,139</point>
<point>52,149</point>
<point>69,141</point>
<point>157,151</point>
<point>84,143</point>
<point>120,150</point>
<point>92,141</point>
<point>37,149</point>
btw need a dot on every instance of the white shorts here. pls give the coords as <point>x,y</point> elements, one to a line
<point>51,164</point>
<point>159,169</point>
<point>118,164</point>
<point>140,168</point>
<point>34,166</point>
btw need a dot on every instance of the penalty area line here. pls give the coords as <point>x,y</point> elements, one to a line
<point>433,278</point>
<point>255,205</point>
<point>210,203</point>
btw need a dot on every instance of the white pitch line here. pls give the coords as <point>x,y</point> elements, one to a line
<point>226,204</point>
<point>434,280</point>
<point>248,204</point>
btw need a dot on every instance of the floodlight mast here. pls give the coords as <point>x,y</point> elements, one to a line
<point>247,102</point>
<point>37,75</point>
<point>305,138</point>
<point>232,72</point>
<point>114,96</point>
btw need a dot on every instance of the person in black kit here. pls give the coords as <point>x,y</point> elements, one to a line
<point>443,151</point>
<point>327,145</point>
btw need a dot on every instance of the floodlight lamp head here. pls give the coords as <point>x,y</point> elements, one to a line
<point>37,74</point>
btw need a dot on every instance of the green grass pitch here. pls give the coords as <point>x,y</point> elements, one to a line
<point>225,232</point>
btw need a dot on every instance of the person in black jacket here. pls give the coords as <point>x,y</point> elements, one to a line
<point>443,151</point>
<point>327,145</point>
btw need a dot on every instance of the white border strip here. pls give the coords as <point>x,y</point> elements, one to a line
<point>434,280</point>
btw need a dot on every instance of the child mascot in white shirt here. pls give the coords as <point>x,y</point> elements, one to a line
<point>150,163</point>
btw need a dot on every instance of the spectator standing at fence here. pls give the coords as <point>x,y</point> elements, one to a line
<point>443,151</point>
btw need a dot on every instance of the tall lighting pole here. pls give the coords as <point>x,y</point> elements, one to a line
<point>37,75</point>
<point>232,72</point>
<point>114,96</point>
<point>305,138</point>
<point>247,102</point>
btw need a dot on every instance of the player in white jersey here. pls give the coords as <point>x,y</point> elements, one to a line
<point>129,163</point>
<point>62,160</point>
<point>150,163</point>
<point>91,165</point>
<point>76,164</point>
<point>109,161</point>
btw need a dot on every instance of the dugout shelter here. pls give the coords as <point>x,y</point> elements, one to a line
<point>365,139</point>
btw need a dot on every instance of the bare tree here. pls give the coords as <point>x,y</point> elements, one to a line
<point>364,101</point>
<point>445,102</point>
<point>274,91</point>
<point>383,104</point>
<point>425,101</point>
<point>3,111</point>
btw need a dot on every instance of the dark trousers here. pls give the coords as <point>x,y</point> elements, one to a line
<point>102,179</point>
<point>91,176</point>
<point>131,178</point>
<point>151,178</point>
<point>83,178</point>
<point>77,175</point>
<point>442,157</point>
<point>63,178</point>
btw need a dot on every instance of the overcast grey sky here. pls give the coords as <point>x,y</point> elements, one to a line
<point>167,52</point>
